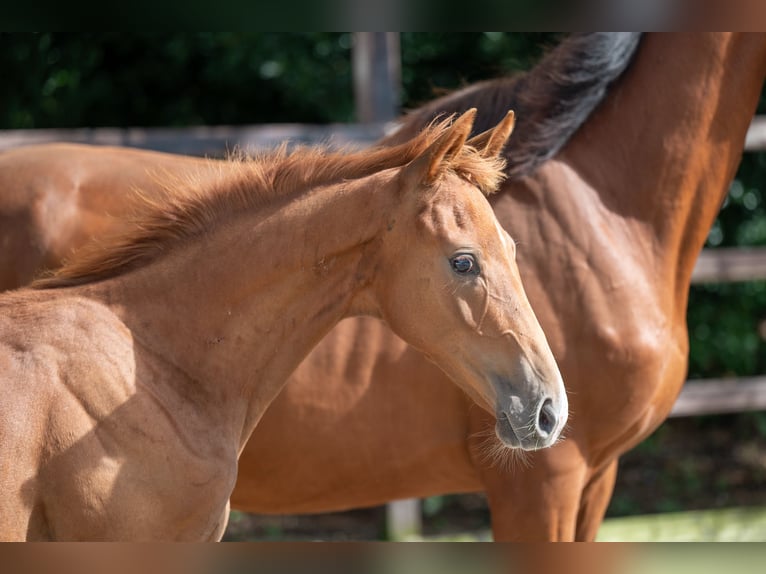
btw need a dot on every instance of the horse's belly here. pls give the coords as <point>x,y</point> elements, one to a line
<point>347,436</point>
<point>333,475</point>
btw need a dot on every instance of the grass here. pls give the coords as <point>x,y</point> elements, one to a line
<point>722,525</point>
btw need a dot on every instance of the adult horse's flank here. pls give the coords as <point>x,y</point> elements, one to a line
<point>55,197</point>
<point>615,181</point>
<point>133,377</point>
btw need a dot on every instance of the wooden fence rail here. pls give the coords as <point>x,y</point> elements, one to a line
<point>720,396</point>
<point>730,265</point>
<point>756,135</point>
<point>213,141</point>
<point>216,140</point>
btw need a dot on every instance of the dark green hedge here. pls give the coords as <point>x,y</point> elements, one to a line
<point>120,79</point>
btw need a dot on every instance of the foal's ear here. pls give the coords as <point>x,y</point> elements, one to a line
<point>492,142</point>
<point>426,167</point>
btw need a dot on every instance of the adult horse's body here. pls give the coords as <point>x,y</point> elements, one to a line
<point>45,212</point>
<point>623,208</point>
<point>132,378</point>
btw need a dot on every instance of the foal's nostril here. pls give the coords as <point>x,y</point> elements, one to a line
<point>546,420</point>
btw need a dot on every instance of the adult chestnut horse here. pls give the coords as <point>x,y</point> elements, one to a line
<point>133,377</point>
<point>615,179</point>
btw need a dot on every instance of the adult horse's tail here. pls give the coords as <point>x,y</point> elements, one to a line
<point>551,101</point>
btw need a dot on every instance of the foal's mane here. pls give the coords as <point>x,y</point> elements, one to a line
<point>551,101</point>
<point>191,205</point>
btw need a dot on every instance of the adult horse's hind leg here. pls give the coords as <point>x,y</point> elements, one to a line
<point>595,500</point>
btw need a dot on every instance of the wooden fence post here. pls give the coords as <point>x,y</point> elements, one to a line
<point>376,63</point>
<point>403,519</point>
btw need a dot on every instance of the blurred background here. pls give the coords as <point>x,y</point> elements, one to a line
<point>55,80</point>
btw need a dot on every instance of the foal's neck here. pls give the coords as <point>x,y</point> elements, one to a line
<point>237,309</point>
<point>670,139</point>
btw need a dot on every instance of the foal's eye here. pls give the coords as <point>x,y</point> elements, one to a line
<point>464,264</point>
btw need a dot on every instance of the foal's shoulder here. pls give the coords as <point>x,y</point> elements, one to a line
<point>51,340</point>
<point>53,315</point>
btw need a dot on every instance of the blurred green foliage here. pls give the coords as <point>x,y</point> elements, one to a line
<point>61,80</point>
<point>152,79</point>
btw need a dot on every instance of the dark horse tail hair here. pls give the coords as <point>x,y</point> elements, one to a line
<point>551,101</point>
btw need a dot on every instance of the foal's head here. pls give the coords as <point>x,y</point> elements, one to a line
<point>453,288</point>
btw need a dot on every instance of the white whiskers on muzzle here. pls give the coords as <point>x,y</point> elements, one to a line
<point>495,454</point>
